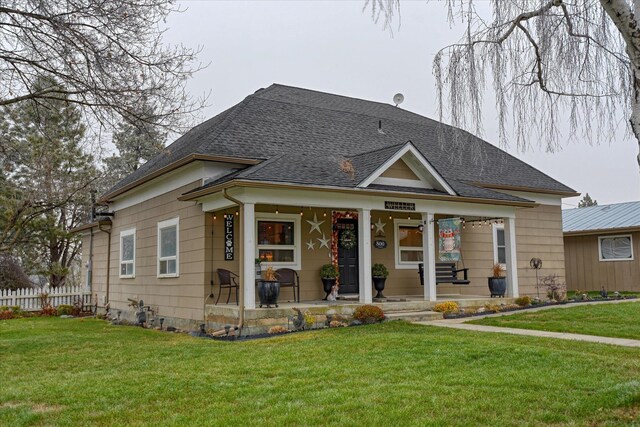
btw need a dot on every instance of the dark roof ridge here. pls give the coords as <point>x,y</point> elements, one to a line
<point>346,110</point>
<point>402,144</point>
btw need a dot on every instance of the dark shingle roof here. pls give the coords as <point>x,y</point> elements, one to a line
<point>303,135</point>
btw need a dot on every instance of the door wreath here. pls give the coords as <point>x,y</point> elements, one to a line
<point>347,239</point>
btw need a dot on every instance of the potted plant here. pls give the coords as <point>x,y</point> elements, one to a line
<point>269,288</point>
<point>329,274</point>
<point>497,282</point>
<point>379,275</point>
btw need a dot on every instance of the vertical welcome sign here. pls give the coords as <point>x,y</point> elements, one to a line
<point>228,238</point>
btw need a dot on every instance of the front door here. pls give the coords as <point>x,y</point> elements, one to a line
<point>348,255</point>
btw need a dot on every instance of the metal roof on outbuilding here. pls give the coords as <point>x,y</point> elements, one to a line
<point>606,217</point>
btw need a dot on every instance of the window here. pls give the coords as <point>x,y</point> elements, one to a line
<point>128,253</point>
<point>408,239</point>
<point>168,248</point>
<point>616,248</point>
<point>278,240</point>
<point>499,245</point>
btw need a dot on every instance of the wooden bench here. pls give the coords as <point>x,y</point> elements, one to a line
<point>446,272</point>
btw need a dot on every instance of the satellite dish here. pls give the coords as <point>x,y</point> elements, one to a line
<point>398,98</point>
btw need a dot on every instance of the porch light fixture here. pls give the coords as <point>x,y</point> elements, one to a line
<point>390,217</point>
<point>301,211</point>
<point>237,213</point>
<point>214,217</point>
<point>421,228</point>
<point>372,226</point>
<point>277,212</point>
<point>325,213</point>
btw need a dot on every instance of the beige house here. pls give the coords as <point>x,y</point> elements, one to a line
<point>286,174</point>
<point>602,244</point>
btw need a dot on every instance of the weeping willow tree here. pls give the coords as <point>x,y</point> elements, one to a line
<point>549,63</point>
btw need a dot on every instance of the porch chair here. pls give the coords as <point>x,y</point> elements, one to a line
<point>227,280</point>
<point>289,278</point>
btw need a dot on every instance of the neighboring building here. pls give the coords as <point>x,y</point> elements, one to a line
<point>601,245</point>
<point>296,170</point>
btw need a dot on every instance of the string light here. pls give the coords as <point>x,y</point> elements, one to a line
<point>325,213</point>
<point>237,213</point>
<point>214,217</point>
<point>301,211</point>
<point>277,211</point>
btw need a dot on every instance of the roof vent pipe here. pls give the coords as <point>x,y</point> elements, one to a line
<point>380,127</point>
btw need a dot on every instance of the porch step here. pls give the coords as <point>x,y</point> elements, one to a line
<point>413,316</point>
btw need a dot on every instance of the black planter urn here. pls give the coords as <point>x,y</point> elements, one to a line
<point>268,292</point>
<point>328,284</point>
<point>378,284</point>
<point>497,286</point>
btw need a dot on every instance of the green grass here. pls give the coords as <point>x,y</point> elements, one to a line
<point>605,320</point>
<point>87,372</point>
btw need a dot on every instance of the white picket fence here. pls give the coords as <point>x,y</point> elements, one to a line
<point>29,299</point>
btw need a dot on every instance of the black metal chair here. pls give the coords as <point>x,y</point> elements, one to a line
<point>227,280</point>
<point>289,278</point>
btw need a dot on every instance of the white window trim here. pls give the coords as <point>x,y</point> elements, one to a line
<point>297,239</point>
<point>600,238</point>
<point>495,228</point>
<point>165,224</point>
<point>125,233</point>
<point>405,265</point>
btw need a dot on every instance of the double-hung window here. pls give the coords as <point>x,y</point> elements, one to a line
<point>278,240</point>
<point>128,253</point>
<point>408,243</point>
<point>615,248</point>
<point>499,245</point>
<point>168,248</point>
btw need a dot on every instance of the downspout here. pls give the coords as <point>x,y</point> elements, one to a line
<point>106,302</point>
<point>92,217</point>
<point>240,239</point>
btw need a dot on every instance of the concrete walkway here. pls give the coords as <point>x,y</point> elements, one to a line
<point>461,324</point>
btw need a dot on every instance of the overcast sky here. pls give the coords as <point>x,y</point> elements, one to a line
<point>336,47</point>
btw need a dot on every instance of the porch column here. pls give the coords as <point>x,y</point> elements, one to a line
<point>511,257</point>
<point>364,255</point>
<point>248,243</point>
<point>429,256</point>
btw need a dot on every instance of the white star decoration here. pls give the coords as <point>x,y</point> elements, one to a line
<point>311,245</point>
<point>323,242</point>
<point>379,226</point>
<point>315,224</point>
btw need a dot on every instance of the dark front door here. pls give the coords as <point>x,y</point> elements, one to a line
<point>348,255</point>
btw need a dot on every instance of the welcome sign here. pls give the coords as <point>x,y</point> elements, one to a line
<point>228,238</point>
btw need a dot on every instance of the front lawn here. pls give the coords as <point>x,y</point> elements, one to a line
<point>605,320</point>
<point>87,372</point>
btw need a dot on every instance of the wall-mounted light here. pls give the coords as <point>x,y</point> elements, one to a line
<point>421,228</point>
<point>237,213</point>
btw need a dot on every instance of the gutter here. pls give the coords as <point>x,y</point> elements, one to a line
<point>242,278</point>
<point>258,184</point>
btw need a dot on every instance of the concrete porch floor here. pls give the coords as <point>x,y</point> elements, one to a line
<point>408,307</point>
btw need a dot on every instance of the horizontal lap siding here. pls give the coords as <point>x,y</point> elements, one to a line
<point>180,297</point>
<point>585,271</point>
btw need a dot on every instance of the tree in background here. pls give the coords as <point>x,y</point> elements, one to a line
<point>545,59</point>
<point>587,202</point>
<point>136,144</point>
<point>108,57</point>
<point>46,180</point>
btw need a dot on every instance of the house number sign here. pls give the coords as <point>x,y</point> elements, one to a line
<point>228,238</point>
<point>379,244</point>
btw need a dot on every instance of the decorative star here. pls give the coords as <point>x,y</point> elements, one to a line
<point>311,245</point>
<point>323,242</point>
<point>380,227</point>
<point>315,224</point>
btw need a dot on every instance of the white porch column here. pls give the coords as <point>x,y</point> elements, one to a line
<point>364,255</point>
<point>429,256</point>
<point>511,257</point>
<point>248,255</point>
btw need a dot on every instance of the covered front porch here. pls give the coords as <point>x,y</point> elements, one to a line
<point>303,230</point>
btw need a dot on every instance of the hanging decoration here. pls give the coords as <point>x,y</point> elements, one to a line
<point>311,245</point>
<point>315,224</point>
<point>323,242</point>
<point>379,227</point>
<point>449,241</point>
<point>348,239</point>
